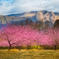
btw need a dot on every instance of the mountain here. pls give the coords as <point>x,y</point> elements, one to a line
<point>33,15</point>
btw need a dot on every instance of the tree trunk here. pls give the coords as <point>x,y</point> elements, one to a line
<point>19,47</point>
<point>9,47</point>
<point>56,47</point>
<point>28,47</point>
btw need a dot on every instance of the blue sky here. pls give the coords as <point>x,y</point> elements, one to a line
<point>20,6</point>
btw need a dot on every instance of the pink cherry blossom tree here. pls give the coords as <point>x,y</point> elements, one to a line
<point>50,37</point>
<point>19,36</point>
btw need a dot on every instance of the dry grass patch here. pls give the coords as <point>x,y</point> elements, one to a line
<point>29,54</point>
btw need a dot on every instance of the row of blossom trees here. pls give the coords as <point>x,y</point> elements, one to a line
<point>17,36</point>
<point>50,37</point>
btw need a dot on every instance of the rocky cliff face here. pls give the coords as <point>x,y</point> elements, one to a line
<point>33,15</point>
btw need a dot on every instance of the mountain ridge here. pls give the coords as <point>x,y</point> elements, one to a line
<point>33,15</point>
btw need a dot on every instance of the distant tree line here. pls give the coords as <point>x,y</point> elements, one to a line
<point>56,23</point>
<point>37,24</point>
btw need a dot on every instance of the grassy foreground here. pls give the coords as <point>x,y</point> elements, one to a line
<point>29,54</point>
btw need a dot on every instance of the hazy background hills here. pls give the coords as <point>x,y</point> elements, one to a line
<point>33,15</point>
<point>46,17</point>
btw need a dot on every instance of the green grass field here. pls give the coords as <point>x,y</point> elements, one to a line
<point>29,54</point>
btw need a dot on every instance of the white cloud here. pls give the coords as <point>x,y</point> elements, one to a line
<point>19,6</point>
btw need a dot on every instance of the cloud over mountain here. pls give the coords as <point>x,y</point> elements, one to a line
<point>20,6</point>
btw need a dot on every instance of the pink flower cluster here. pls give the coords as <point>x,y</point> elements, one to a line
<point>27,36</point>
<point>19,35</point>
